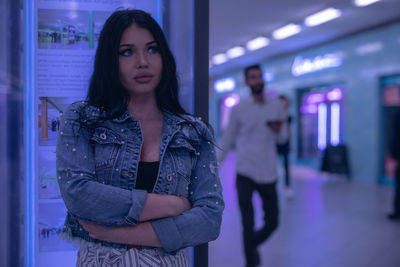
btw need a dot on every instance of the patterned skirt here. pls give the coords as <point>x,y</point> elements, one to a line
<point>95,255</point>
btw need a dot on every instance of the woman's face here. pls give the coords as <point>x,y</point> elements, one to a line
<point>140,63</point>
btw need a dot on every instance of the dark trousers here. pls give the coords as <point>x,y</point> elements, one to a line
<point>397,192</point>
<point>251,238</point>
<point>284,151</point>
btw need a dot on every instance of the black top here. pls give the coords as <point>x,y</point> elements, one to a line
<point>147,175</point>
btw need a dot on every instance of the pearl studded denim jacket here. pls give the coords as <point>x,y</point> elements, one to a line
<point>97,166</point>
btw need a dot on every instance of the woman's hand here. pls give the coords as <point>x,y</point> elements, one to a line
<point>140,235</point>
<point>161,206</point>
<point>183,205</point>
<point>96,231</point>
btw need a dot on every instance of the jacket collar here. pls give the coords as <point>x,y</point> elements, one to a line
<point>123,117</point>
<point>169,118</point>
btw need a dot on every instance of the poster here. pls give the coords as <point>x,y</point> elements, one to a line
<point>51,223</point>
<point>67,35</point>
<point>48,185</point>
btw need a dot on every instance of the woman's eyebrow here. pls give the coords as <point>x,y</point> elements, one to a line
<point>132,45</point>
<point>152,42</point>
<point>129,45</point>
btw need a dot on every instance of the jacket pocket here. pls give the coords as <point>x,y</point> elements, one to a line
<point>106,145</point>
<point>184,157</point>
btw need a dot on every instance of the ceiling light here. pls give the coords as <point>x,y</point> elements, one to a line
<point>257,43</point>
<point>224,85</point>
<point>364,2</point>
<point>219,59</point>
<point>322,17</point>
<point>286,31</point>
<point>369,48</point>
<point>236,51</point>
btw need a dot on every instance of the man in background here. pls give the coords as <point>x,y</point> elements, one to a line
<point>395,215</point>
<point>284,149</point>
<point>255,127</point>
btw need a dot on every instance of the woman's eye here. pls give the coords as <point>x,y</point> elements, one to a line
<point>125,52</point>
<point>153,49</point>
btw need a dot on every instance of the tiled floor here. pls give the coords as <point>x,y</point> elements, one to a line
<point>331,222</point>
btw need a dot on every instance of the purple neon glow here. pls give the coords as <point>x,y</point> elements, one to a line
<point>231,101</point>
<point>322,119</point>
<point>335,94</point>
<point>315,98</point>
<point>272,94</point>
<point>309,109</point>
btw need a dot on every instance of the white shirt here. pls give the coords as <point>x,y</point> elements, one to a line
<point>254,142</point>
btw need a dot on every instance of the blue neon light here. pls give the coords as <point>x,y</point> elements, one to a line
<point>158,14</point>
<point>29,134</point>
<point>335,124</point>
<point>303,66</point>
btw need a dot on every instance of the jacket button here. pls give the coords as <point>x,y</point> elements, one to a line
<point>169,177</point>
<point>103,136</point>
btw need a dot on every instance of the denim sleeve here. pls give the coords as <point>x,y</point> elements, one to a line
<point>202,223</point>
<point>83,195</point>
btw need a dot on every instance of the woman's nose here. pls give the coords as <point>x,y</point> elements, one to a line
<point>142,60</point>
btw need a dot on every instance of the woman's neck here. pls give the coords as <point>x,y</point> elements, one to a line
<point>144,107</point>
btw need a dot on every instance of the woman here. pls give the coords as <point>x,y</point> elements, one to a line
<point>138,175</point>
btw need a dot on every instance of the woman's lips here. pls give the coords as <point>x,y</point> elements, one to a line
<point>143,78</point>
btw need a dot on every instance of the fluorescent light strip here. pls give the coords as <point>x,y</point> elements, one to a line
<point>219,59</point>
<point>362,3</point>
<point>236,51</point>
<point>322,126</point>
<point>257,43</point>
<point>322,17</point>
<point>335,124</point>
<point>286,31</point>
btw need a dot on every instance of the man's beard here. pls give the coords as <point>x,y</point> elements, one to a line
<point>257,89</point>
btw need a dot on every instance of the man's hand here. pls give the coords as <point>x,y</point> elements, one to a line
<point>275,126</point>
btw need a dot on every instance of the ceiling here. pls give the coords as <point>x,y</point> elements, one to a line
<point>234,22</point>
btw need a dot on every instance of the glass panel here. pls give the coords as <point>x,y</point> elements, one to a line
<point>11,134</point>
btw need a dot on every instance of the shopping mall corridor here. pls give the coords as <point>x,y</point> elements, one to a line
<point>331,222</point>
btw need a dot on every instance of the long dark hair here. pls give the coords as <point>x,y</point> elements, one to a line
<point>105,89</point>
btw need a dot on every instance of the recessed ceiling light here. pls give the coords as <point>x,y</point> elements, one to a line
<point>322,17</point>
<point>257,43</point>
<point>236,51</point>
<point>364,2</point>
<point>219,59</point>
<point>286,31</point>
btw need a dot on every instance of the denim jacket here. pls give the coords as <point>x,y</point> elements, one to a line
<point>97,166</point>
